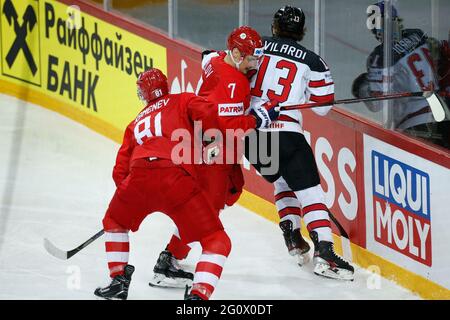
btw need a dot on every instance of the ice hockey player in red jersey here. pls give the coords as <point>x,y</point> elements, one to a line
<point>225,83</point>
<point>151,175</point>
<point>292,74</point>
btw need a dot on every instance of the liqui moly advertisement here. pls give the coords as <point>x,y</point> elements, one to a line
<point>406,211</point>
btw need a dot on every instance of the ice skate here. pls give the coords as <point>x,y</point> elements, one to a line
<point>297,246</point>
<point>190,296</point>
<point>327,263</point>
<point>168,274</point>
<point>118,289</point>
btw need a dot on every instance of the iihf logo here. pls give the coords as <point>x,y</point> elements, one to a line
<point>401,207</point>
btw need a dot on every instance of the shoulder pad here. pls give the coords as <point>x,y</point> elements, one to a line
<point>410,32</point>
<point>208,56</point>
<point>316,63</point>
<point>206,52</point>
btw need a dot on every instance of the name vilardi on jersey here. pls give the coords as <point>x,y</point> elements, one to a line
<point>284,48</point>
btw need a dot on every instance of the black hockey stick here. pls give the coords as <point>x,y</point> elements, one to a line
<point>64,255</point>
<point>346,248</point>
<point>437,105</point>
<point>338,225</point>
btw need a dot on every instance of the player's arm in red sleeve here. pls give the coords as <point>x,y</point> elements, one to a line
<point>201,109</point>
<point>122,166</point>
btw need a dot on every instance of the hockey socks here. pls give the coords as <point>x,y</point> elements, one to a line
<point>216,249</point>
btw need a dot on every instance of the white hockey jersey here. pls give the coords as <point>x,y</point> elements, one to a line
<point>291,74</point>
<point>412,70</point>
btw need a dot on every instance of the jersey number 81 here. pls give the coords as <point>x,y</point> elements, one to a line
<point>146,131</point>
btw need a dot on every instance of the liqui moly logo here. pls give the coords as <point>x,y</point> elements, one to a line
<point>401,200</point>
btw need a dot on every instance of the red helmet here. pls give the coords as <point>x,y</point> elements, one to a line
<point>152,84</point>
<point>246,40</point>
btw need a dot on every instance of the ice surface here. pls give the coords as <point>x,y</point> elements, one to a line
<point>55,182</point>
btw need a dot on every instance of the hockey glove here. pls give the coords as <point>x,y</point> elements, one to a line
<point>360,86</point>
<point>265,114</point>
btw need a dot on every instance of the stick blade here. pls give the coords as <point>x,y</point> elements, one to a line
<point>438,106</point>
<point>54,251</point>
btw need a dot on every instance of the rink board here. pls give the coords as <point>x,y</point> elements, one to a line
<point>388,191</point>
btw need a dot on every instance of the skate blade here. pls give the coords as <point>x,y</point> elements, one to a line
<point>302,257</point>
<point>106,298</point>
<point>96,297</point>
<point>338,274</point>
<point>161,281</point>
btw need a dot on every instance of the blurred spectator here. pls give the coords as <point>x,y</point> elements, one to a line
<point>418,63</point>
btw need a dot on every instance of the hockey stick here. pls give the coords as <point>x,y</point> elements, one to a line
<point>437,105</point>
<point>346,248</point>
<point>64,255</point>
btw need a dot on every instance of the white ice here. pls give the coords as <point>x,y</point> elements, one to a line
<point>55,182</point>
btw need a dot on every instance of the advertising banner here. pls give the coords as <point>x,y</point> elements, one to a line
<point>81,61</point>
<point>387,190</point>
<point>406,212</point>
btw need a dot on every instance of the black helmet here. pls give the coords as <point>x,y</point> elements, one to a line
<point>289,20</point>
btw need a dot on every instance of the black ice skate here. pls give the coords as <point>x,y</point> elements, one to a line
<point>168,274</point>
<point>190,296</point>
<point>297,246</point>
<point>327,263</point>
<point>118,289</point>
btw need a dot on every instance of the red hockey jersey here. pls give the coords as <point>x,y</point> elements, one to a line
<point>165,129</point>
<point>229,89</point>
